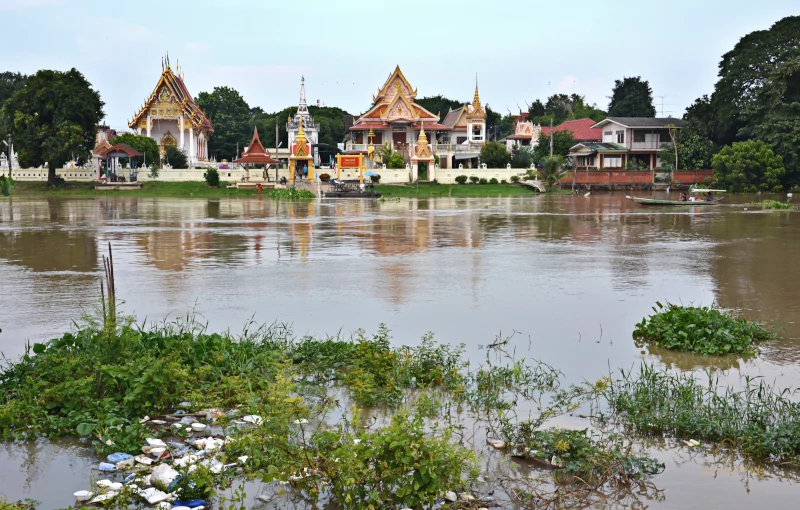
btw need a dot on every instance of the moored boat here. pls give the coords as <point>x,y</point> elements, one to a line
<point>653,201</point>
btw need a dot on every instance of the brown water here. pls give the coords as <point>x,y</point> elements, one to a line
<point>570,275</point>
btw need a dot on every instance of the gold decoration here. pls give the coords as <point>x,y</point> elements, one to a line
<point>301,141</point>
<point>423,151</point>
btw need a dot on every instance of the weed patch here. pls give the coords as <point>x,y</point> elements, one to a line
<point>704,330</point>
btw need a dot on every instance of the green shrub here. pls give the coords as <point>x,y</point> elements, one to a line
<point>212,177</point>
<point>482,181</point>
<point>515,179</point>
<point>494,181</point>
<point>774,204</point>
<point>474,179</point>
<point>705,330</point>
<point>461,179</point>
<point>504,181</point>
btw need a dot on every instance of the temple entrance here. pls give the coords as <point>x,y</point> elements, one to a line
<point>399,139</point>
<point>422,172</point>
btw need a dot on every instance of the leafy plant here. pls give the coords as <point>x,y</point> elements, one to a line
<point>775,204</point>
<point>553,171</point>
<point>482,181</point>
<point>461,179</point>
<point>6,185</point>
<point>756,420</point>
<point>153,173</point>
<point>212,177</point>
<point>474,179</point>
<point>515,179</point>
<point>175,157</point>
<point>493,181</point>
<point>705,330</point>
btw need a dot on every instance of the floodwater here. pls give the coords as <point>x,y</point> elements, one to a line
<point>568,277</point>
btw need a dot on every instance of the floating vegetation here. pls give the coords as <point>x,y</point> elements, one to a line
<point>759,420</point>
<point>289,194</point>
<point>775,204</point>
<point>704,330</point>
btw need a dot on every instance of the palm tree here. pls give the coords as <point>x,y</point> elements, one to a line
<point>553,170</point>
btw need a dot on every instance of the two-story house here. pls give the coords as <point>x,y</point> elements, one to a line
<point>626,139</point>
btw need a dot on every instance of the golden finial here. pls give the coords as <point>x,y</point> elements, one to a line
<point>476,101</point>
<point>370,134</point>
<point>301,135</point>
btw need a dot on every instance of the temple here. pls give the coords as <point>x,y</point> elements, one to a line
<point>311,129</point>
<point>394,118</point>
<point>467,127</point>
<point>170,116</point>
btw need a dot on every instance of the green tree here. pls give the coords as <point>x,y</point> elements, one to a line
<point>563,107</point>
<point>230,115</point>
<point>563,141</point>
<point>552,171</point>
<point>694,152</point>
<point>439,105</point>
<point>495,155</point>
<point>522,156</point>
<point>748,166</point>
<point>747,68</point>
<point>175,157</point>
<point>498,126</point>
<point>390,157</point>
<point>9,83</point>
<point>631,97</point>
<point>53,119</point>
<point>774,116</point>
<point>147,146</point>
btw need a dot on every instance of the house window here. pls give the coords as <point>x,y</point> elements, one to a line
<point>461,139</point>
<point>621,136</point>
<point>612,161</point>
<point>608,133</point>
<point>638,136</point>
<point>586,161</point>
<point>663,136</point>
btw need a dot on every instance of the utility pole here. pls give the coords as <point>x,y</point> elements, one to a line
<point>8,147</point>
<point>276,148</point>
<point>551,137</point>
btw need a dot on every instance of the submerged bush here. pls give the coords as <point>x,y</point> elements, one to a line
<point>757,420</point>
<point>289,194</point>
<point>705,330</point>
<point>775,204</point>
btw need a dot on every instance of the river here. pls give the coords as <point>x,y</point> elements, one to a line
<point>568,276</point>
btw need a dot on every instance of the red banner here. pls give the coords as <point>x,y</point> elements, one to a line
<point>349,162</point>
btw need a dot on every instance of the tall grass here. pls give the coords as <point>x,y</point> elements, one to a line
<point>758,420</point>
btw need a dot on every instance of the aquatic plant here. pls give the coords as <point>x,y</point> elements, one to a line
<point>758,420</point>
<point>289,194</point>
<point>705,330</point>
<point>6,185</point>
<point>775,204</point>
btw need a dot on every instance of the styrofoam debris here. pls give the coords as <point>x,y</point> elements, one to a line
<point>253,418</point>
<point>153,495</point>
<point>103,484</point>
<point>104,497</point>
<point>143,459</point>
<point>144,420</point>
<point>155,442</point>
<point>162,476</point>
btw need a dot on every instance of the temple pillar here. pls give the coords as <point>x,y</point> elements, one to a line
<point>180,137</point>
<point>148,126</point>
<point>191,146</point>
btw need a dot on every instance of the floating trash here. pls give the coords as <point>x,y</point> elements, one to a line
<point>198,427</point>
<point>142,459</point>
<point>108,496</point>
<point>105,466</point>
<point>155,442</point>
<point>119,457</point>
<point>162,476</point>
<point>83,495</point>
<point>153,495</point>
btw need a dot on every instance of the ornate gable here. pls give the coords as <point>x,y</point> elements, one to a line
<point>401,107</point>
<point>396,82</point>
<point>171,99</point>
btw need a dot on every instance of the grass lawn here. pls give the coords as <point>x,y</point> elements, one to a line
<point>454,190</point>
<point>149,189</point>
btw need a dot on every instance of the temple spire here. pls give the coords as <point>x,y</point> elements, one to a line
<point>301,140</point>
<point>476,101</point>
<point>302,108</point>
<point>422,143</point>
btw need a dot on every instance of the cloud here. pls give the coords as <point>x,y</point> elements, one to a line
<point>113,37</point>
<point>21,5</point>
<point>197,46</point>
<point>568,84</point>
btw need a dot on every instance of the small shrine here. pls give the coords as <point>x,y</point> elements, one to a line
<point>422,155</point>
<point>310,128</point>
<point>256,154</point>
<point>171,117</point>
<point>301,161</point>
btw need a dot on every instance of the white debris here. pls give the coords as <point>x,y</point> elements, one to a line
<point>158,422</point>
<point>253,418</point>
<point>162,476</point>
<point>466,497</point>
<point>116,487</point>
<point>497,443</point>
<point>186,460</point>
<point>103,484</point>
<point>243,459</point>
<point>153,495</point>
<point>83,495</point>
<point>144,420</point>
<point>104,497</point>
<point>450,496</point>
<point>301,421</point>
<point>156,443</point>
<point>125,463</point>
<point>143,459</point>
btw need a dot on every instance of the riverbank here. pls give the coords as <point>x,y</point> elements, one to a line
<point>150,189</point>
<point>432,190</point>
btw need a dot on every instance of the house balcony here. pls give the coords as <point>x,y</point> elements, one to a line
<point>651,145</point>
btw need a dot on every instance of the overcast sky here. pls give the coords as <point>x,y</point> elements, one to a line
<point>521,50</point>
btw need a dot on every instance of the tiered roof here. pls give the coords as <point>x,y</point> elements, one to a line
<point>394,102</point>
<point>255,153</point>
<point>171,92</point>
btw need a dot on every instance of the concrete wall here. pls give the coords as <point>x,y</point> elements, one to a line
<point>40,174</point>
<point>448,175</point>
